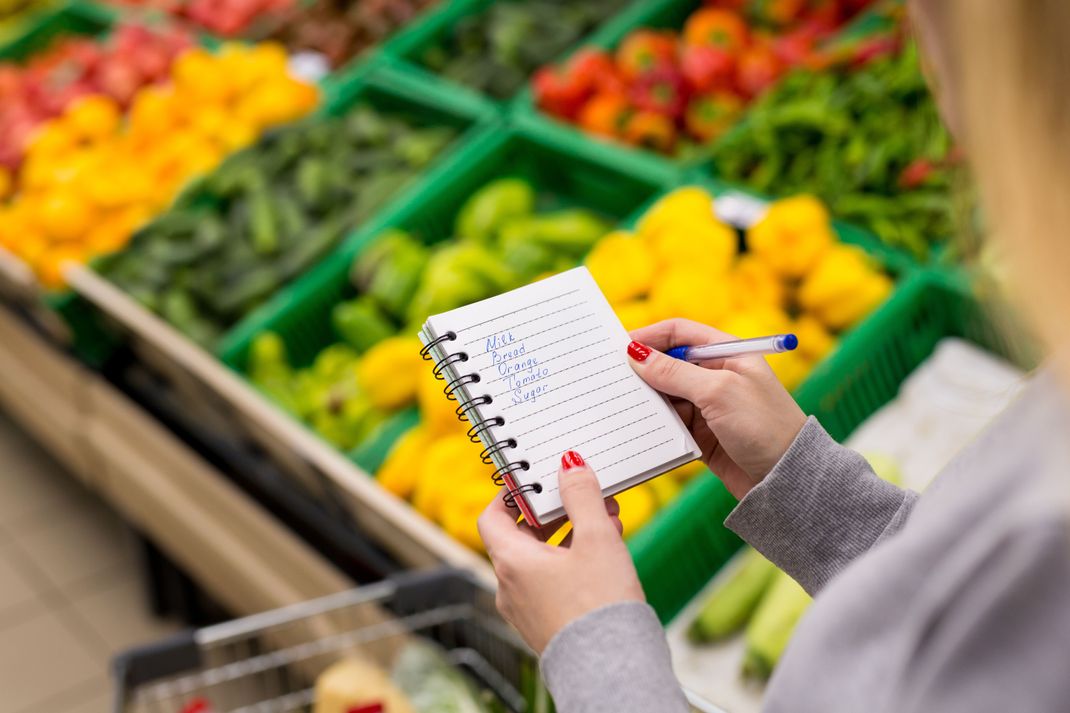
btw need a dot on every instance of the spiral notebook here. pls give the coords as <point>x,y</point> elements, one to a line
<point>544,369</point>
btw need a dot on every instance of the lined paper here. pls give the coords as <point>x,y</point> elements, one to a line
<point>552,357</point>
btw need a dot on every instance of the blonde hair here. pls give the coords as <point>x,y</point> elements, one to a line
<point>1008,68</point>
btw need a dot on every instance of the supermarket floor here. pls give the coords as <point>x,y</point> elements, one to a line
<point>70,589</point>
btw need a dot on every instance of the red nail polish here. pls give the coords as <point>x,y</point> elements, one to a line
<point>638,351</point>
<point>572,459</point>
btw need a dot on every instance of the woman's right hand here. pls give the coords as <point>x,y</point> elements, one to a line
<point>737,410</point>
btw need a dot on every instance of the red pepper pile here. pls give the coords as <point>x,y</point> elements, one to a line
<point>132,57</point>
<point>227,18</point>
<point>661,89</point>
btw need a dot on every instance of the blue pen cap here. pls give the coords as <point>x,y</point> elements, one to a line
<point>678,353</point>
<point>789,342</point>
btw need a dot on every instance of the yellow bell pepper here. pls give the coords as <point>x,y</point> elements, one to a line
<point>700,241</point>
<point>792,236</point>
<point>757,321</point>
<point>687,471</point>
<point>401,469</point>
<point>622,265</point>
<point>451,461</point>
<point>754,282</point>
<point>390,371</point>
<point>635,314</point>
<point>665,489</point>
<point>685,203</point>
<point>843,288</point>
<point>691,293</point>
<point>791,368</point>
<point>637,506</point>
<point>461,511</point>
<point>436,411</point>
<point>815,342</point>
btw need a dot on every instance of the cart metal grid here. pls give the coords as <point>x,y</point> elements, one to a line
<point>268,662</point>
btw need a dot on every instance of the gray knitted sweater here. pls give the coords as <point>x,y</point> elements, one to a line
<point>957,601</point>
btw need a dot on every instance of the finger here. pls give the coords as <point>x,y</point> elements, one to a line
<point>679,332</point>
<point>613,510</point>
<point>674,376</point>
<point>498,527</point>
<point>581,494</point>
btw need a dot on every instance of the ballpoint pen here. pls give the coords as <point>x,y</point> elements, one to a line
<point>774,344</point>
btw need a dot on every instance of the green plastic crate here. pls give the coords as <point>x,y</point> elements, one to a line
<point>381,88</point>
<point>302,317</point>
<point>41,28</point>
<point>684,546</point>
<point>659,549</point>
<point>405,47</point>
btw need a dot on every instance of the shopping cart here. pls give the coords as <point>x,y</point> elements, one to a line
<point>268,663</point>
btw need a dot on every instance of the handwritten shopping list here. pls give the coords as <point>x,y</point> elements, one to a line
<point>552,359</point>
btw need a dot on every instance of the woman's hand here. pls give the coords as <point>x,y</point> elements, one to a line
<point>541,588</point>
<point>740,415</point>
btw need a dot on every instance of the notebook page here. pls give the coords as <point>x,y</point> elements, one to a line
<point>552,356</point>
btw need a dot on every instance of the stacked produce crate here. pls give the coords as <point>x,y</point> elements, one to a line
<point>287,233</point>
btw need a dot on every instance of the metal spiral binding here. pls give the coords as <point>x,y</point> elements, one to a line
<point>462,407</point>
<point>451,359</point>
<point>499,475</point>
<point>457,383</point>
<point>487,455</point>
<point>425,351</point>
<point>483,427</point>
<point>510,498</point>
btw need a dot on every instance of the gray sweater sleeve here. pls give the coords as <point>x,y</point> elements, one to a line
<point>613,660</point>
<point>819,508</point>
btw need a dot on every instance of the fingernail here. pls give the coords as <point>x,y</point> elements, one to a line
<point>638,351</point>
<point>572,459</point>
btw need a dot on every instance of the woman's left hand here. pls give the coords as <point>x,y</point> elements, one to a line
<point>541,588</point>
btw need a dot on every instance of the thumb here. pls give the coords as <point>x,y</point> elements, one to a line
<point>581,494</point>
<point>674,377</point>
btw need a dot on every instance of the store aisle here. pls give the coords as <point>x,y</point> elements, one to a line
<point>70,591</point>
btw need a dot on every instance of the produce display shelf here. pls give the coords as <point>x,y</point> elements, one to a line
<point>563,178</point>
<point>302,317</point>
<point>405,47</point>
<point>304,324</point>
<point>382,88</point>
<point>685,545</point>
<point>85,335</point>
<point>655,14</point>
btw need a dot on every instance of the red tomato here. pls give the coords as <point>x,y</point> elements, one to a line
<point>557,93</point>
<point>758,69</point>
<point>794,48</point>
<point>590,68</point>
<point>715,27</point>
<point>707,68</point>
<point>644,51</point>
<point>661,91</point>
<point>650,130</point>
